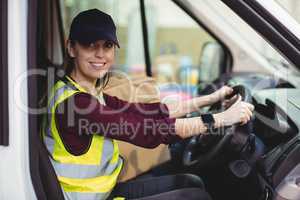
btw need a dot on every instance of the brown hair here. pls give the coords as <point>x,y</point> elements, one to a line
<point>68,60</point>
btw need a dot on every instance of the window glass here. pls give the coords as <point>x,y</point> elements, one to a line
<point>182,53</point>
<point>249,36</point>
<point>130,56</point>
<point>292,6</point>
<point>177,46</point>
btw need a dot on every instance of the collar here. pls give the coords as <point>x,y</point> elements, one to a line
<point>71,82</point>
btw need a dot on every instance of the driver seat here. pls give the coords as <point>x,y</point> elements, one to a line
<point>194,186</point>
<point>184,186</point>
<point>174,186</point>
<point>187,193</point>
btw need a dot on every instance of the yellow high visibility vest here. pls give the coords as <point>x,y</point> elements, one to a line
<point>89,176</point>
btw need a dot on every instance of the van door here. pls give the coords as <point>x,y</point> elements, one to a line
<point>4,131</point>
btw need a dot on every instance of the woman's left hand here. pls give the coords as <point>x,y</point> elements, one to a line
<point>220,94</point>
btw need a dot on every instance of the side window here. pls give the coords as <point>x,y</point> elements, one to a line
<point>4,75</point>
<point>181,51</point>
<point>292,7</point>
<point>126,15</point>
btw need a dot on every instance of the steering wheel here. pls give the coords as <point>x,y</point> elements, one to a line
<point>189,157</point>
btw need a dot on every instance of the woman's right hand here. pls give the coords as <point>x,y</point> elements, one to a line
<point>239,112</point>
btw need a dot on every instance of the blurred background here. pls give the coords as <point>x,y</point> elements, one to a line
<point>176,41</point>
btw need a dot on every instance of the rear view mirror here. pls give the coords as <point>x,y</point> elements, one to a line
<point>211,59</point>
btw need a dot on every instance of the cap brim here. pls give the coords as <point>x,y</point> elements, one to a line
<point>90,36</point>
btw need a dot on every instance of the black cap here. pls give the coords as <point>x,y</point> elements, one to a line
<point>92,25</point>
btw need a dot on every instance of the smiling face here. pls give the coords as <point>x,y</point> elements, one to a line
<point>92,61</point>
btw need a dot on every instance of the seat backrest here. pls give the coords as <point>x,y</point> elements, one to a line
<point>48,176</point>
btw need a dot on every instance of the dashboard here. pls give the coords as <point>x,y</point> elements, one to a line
<point>277,115</point>
<point>277,124</point>
<point>277,107</point>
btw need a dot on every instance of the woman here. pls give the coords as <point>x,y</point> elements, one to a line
<point>83,123</point>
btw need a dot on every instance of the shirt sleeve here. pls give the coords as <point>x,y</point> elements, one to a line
<point>83,115</point>
<point>153,110</point>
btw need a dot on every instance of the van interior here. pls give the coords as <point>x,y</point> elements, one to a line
<point>169,53</point>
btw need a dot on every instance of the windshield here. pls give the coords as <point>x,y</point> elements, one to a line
<point>246,33</point>
<point>292,7</point>
<point>286,12</point>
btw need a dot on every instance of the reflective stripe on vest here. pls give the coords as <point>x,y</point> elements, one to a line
<point>93,173</point>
